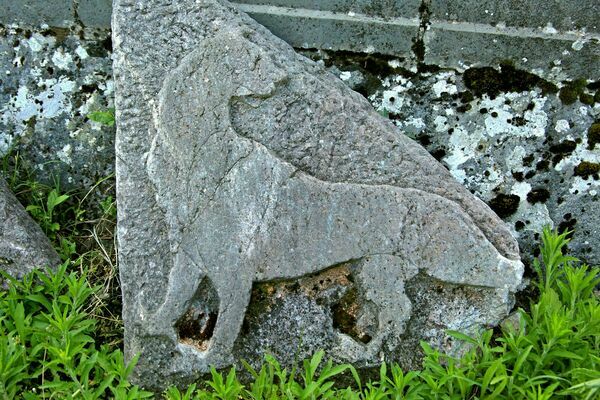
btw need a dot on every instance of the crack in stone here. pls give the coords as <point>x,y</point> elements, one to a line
<point>218,185</point>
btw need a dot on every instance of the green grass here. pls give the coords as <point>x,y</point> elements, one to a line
<point>60,332</point>
<point>46,344</point>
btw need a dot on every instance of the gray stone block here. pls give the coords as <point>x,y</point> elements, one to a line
<point>322,30</point>
<point>95,13</point>
<point>563,15</point>
<point>255,187</point>
<point>54,12</point>
<point>556,56</point>
<point>380,8</point>
<point>559,39</point>
<point>23,245</point>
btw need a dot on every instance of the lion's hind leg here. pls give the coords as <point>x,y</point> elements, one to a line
<point>380,281</point>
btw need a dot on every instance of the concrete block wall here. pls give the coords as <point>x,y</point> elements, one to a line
<point>57,13</point>
<point>559,39</point>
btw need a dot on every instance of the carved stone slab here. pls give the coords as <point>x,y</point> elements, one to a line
<point>256,191</point>
<point>23,245</point>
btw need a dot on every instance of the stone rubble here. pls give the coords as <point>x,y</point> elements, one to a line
<point>23,245</point>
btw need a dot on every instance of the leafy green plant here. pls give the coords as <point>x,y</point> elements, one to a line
<point>43,213</point>
<point>82,231</point>
<point>272,382</point>
<point>46,345</point>
<point>103,117</point>
<point>57,217</point>
<point>109,207</point>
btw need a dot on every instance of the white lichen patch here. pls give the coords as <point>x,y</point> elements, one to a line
<point>514,161</point>
<point>393,100</point>
<point>394,63</point>
<point>587,186</point>
<point>64,154</point>
<point>34,44</point>
<point>62,59</point>
<point>38,42</point>
<point>81,52</point>
<point>5,143</point>
<point>500,116</point>
<point>36,73</point>
<point>440,123</point>
<point>579,43</point>
<point>486,182</point>
<point>462,146</point>
<point>562,126</point>
<point>22,107</point>
<point>535,216</point>
<point>581,153</point>
<point>345,75</point>
<point>416,123</point>
<point>520,189</point>
<point>44,77</point>
<point>47,103</point>
<point>549,29</point>
<point>445,84</point>
<point>507,143</point>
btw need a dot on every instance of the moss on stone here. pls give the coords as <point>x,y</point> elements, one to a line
<point>505,205</point>
<point>586,99</point>
<point>345,314</point>
<point>585,169</point>
<point>593,135</point>
<point>568,95</point>
<point>488,80</point>
<point>539,195</point>
<point>571,91</point>
<point>372,66</point>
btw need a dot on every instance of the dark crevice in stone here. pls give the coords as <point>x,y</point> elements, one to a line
<point>196,326</point>
<point>372,66</point>
<point>76,17</point>
<point>418,46</point>
<point>375,63</point>
<point>345,313</point>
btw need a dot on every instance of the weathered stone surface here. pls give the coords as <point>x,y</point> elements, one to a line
<point>23,245</point>
<point>241,163</point>
<point>52,79</point>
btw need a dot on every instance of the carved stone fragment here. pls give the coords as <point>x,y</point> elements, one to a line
<point>242,164</point>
